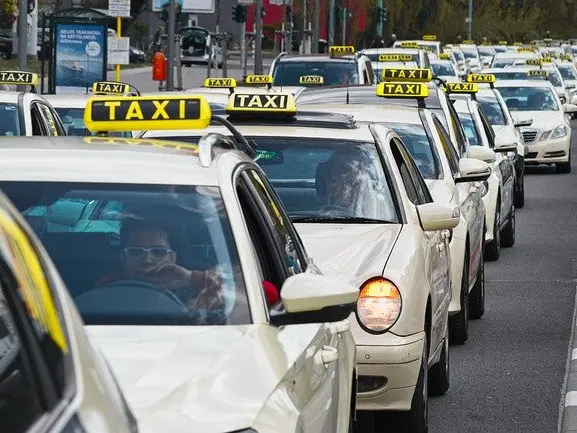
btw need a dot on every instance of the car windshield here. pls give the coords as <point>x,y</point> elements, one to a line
<point>9,120</point>
<point>73,121</point>
<point>552,76</point>
<point>500,49</point>
<point>529,98</point>
<point>567,72</point>
<point>328,179</point>
<point>139,254</point>
<point>493,111</point>
<point>470,129</point>
<point>469,53</point>
<point>442,69</point>
<point>334,72</point>
<point>486,51</point>
<point>459,55</point>
<point>420,147</point>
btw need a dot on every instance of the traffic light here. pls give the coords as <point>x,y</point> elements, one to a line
<point>289,14</point>
<point>385,14</point>
<point>239,13</point>
<point>379,14</point>
<point>262,12</point>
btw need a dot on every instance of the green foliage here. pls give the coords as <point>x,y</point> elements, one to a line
<point>10,6</point>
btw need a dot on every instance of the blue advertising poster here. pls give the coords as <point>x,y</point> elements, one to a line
<point>79,60</point>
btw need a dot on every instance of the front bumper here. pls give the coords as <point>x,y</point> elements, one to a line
<point>548,151</point>
<point>388,373</point>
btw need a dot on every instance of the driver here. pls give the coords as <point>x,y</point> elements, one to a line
<point>147,255</point>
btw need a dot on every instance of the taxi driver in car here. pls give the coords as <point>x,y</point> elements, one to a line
<point>147,255</point>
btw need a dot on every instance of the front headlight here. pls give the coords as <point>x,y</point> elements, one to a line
<point>379,305</point>
<point>559,132</point>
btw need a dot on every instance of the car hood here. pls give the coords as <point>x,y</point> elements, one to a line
<point>541,119</point>
<point>357,251</point>
<point>184,379</point>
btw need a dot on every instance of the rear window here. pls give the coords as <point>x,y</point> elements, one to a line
<point>73,121</point>
<point>334,73</point>
<point>9,120</point>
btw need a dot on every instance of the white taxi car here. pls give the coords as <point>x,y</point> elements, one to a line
<point>366,214</point>
<point>51,377</point>
<point>446,175</point>
<point>188,274</point>
<point>445,70</point>
<point>26,113</point>
<point>548,139</point>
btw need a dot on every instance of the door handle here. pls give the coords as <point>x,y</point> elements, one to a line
<point>440,247</point>
<point>339,327</point>
<point>329,354</point>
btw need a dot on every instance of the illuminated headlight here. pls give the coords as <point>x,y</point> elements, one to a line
<point>379,305</point>
<point>484,188</point>
<point>559,132</point>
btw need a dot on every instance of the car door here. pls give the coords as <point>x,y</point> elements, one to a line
<point>316,372</point>
<point>505,165</point>
<point>469,199</point>
<point>436,249</point>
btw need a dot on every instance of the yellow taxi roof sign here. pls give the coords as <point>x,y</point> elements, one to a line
<point>426,48</point>
<point>444,56</point>
<point>32,281</point>
<point>503,43</point>
<point>430,38</point>
<point>145,113</point>
<point>469,42</point>
<point>395,58</point>
<point>462,88</point>
<point>341,49</point>
<point>537,73</point>
<point>269,103</point>
<point>409,44</point>
<point>110,88</point>
<point>311,79</point>
<point>420,75</point>
<point>526,50</point>
<point>518,44</point>
<point>402,90</point>
<point>534,62</point>
<point>548,40</point>
<point>258,79</point>
<point>546,60</point>
<point>220,83</point>
<point>19,77</point>
<point>481,78</point>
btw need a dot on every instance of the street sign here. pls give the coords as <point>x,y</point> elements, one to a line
<point>119,8</point>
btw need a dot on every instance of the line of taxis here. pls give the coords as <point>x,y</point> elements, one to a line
<point>264,257</point>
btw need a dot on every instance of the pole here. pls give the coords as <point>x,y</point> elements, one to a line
<point>258,38</point>
<point>118,35</point>
<point>178,62</point>
<point>470,29</point>
<point>243,49</point>
<point>170,47</point>
<point>22,35</point>
<point>331,22</point>
<point>316,27</point>
<point>345,13</point>
<point>282,39</point>
<point>224,56</point>
<point>379,22</point>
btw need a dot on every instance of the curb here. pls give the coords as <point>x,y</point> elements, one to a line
<point>568,409</point>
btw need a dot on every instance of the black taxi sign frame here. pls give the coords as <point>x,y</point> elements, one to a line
<point>315,80</point>
<point>395,58</point>
<point>110,88</point>
<point>19,78</point>
<point>265,103</point>
<point>416,75</point>
<point>138,113</point>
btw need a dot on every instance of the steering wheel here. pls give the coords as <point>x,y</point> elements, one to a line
<point>145,285</point>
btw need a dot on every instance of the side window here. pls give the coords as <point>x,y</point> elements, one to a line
<point>369,73</point>
<point>405,173</point>
<point>52,122</point>
<point>420,185</point>
<point>284,233</point>
<point>458,128</point>
<point>38,123</point>
<point>448,148</point>
<point>488,128</point>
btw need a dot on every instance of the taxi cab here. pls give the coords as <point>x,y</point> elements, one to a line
<point>499,203</point>
<point>446,176</point>
<point>429,43</point>
<point>419,58</point>
<point>52,378</point>
<point>70,107</point>
<point>343,65</point>
<point>26,113</point>
<point>548,139</point>
<point>366,214</point>
<point>188,273</point>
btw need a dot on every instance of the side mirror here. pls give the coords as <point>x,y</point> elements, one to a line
<point>481,153</point>
<point>569,108</point>
<point>435,216</point>
<point>523,122</point>
<point>313,298</point>
<point>472,170</point>
<point>570,86</point>
<point>504,148</point>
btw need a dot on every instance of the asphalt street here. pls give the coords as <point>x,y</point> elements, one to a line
<point>509,376</point>
<point>193,76</point>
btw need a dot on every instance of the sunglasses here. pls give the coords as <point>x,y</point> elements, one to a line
<point>139,252</point>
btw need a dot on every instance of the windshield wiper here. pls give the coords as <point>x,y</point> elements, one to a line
<point>345,220</point>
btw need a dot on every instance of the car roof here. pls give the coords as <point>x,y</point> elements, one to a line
<point>373,112</point>
<point>396,50</point>
<point>67,101</point>
<point>462,106</point>
<point>316,58</point>
<point>9,96</point>
<point>79,159</point>
<point>524,83</point>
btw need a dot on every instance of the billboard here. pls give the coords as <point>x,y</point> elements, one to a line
<point>80,56</point>
<point>188,6</point>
